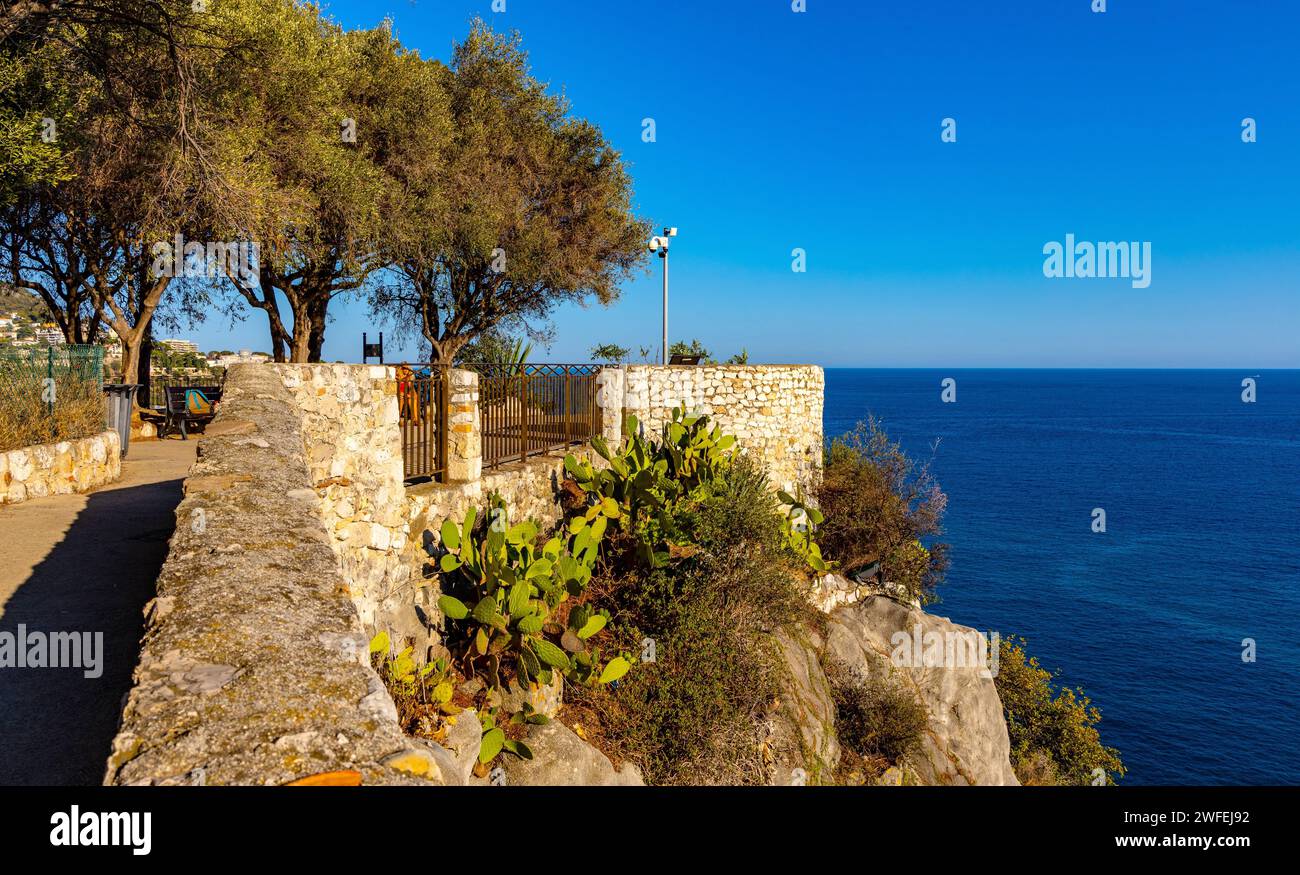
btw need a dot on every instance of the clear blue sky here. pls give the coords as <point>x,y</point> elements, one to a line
<point>821,130</point>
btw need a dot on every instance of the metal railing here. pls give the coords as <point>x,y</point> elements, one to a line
<point>423,395</point>
<point>526,410</point>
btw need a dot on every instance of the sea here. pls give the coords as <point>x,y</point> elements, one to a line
<point>1181,620</point>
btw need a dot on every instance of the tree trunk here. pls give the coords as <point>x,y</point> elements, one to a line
<point>144,367</point>
<point>309,314</point>
<point>299,348</point>
<point>316,326</point>
<point>130,361</point>
<point>444,351</point>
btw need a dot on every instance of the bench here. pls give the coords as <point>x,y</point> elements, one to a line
<point>180,417</point>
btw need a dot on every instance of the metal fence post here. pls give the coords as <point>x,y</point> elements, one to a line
<point>444,421</point>
<point>523,415</point>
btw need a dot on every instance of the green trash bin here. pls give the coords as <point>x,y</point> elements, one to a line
<point>121,397</point>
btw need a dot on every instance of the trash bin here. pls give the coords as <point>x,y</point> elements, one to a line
<point>120,397</point>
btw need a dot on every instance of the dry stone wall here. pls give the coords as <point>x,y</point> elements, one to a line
<point>255,666</point>
<point>353,447</point>
<point>60,469</point>
<point>775,411</point>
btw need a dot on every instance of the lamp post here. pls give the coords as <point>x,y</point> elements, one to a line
<point>660,244</point>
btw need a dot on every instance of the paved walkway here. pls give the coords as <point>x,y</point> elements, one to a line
<point>84,563</point>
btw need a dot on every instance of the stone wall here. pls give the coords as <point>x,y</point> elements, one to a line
<point>59,469</point>
<point>775,411</point>
<point>353,446</point>
<point>255,667</point>
<point>530,490</point>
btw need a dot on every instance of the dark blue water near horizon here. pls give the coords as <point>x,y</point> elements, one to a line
<point>1201,549</point>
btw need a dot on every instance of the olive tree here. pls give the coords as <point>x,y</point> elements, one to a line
<point>527,207</point>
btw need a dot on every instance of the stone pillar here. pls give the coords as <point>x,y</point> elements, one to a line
<point>636,391</point>
<point>609,404</point>
<point>465,441</point>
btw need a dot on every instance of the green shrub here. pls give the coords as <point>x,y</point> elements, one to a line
<point>880,505</point>
<point>422,692</point>
<point>876,717</point>
<point>799,529</point>
<point>645,478</point>
<point>690,717</point>
<point>1054,738</point>
<point>693,715</point>
<point>518,618</point>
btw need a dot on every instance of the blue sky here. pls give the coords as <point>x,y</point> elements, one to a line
<point>821,130</point>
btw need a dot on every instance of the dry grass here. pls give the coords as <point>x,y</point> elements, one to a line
<point>27,418</point>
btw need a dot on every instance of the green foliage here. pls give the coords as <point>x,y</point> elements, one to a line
<point>536,208</point>
<point>405,677</point>
<point>611,353</point>
<point>645,479</point>
<point>1054,737</point>
<point>517,595</point>
<point>740,358</point>
<point>799,528</point>
<point>879,505</point>
<point>495,740</point>
<point>875,716</point>
<point>422,692</point>
<point>689,717</point>
<point>502,361</point>
<point>503,352</point>
<point>693,714</point>
<point>681,347</point>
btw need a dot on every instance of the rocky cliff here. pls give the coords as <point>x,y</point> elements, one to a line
<point>965,741</point>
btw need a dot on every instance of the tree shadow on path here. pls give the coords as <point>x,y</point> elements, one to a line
<point>56,725</point>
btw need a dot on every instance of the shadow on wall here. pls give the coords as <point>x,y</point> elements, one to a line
<point>56,725</point>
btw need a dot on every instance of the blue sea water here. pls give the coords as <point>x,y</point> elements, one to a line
<point>1201,550</point>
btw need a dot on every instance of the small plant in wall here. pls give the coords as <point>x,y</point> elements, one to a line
<point>422,693</point>
<point>495,739</point>
<point>515,606</point>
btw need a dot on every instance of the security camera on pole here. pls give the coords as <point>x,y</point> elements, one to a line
<point>660,245</point>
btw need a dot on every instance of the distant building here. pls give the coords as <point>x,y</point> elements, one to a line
<point>242,357</point>
<point>49,335</point>
<point>175,345</point>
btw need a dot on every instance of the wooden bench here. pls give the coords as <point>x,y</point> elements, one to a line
<point>180,417</point>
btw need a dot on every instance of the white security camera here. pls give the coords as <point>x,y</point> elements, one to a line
<point>654,244</point>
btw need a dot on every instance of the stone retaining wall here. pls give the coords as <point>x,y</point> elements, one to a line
<point>353,446</point>
<point>255,667</point>
<point>60,469</point>
<point>775,411</point>
<point>298,539</point>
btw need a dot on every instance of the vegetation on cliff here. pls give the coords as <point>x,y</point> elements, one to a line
<point>1054,737</point>
<point>691,712</point>
<point>880,505</point>
<point>658,598</point>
